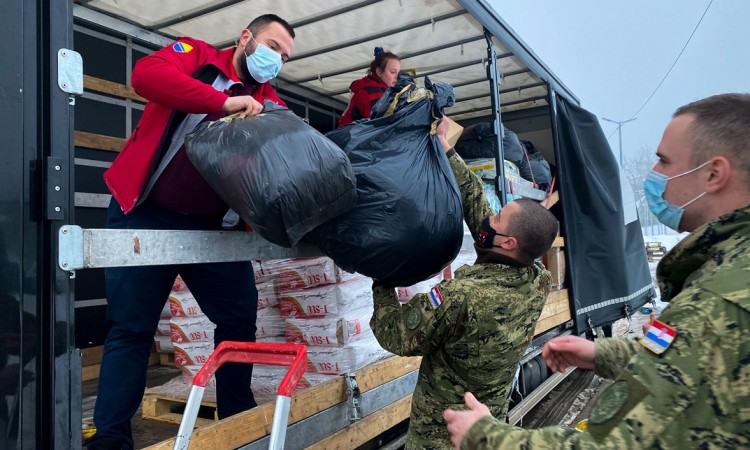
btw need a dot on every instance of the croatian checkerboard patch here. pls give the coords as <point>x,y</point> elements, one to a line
<point>181,47</point>
<point>436,298</point>
<point>659,337</point>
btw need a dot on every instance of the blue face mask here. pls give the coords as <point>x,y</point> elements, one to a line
<point>264,64</point>
<point>654,186</point>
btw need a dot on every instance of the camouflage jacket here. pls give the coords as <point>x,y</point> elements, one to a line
<point>471,331</point>
<point>696,394</point>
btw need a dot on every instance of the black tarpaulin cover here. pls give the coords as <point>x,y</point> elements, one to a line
<point>408,221</point>
<point>279,174</point>
<point>608,270</point>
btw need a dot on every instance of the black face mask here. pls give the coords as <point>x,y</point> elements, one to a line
<point>487,235</point>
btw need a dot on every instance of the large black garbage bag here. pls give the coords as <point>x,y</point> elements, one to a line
<point>279,174</point>
<point>478,141</point>
<point>537,169</point>
<point>407,224</point>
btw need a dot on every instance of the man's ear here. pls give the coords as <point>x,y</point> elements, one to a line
<point>510,243</point>
<point>720,170</point>
<point>245,37</point>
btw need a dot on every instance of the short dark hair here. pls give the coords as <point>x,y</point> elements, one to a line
<point>381,60</point>
<point>721,127</point>
<point>534,227</point>
<point>261,22</point>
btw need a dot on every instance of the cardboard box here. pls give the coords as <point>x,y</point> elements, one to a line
<point>454,131</point>
<point>554,260</point>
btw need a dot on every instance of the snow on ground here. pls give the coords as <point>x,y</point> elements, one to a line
<point>667,240</point>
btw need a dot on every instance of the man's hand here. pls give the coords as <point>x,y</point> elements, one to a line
<point>647,325</point>
<point>244,104</point>
<point>442,134</point>
<point>460,422</point>
<point>565,351</point>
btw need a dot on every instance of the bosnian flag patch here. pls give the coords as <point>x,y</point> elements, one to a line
<point>181,47</point>
<point>436,298</point>
<point>659,337</point>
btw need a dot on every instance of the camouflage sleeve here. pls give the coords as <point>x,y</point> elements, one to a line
<point>612,355</point>
<point>491,433</point>
<point>417,327</point>
<point>689,396</point>
<point>476,206</point>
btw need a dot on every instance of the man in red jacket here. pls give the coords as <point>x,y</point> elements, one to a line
<point>155,186</point>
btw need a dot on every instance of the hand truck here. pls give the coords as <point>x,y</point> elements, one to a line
<point>292,355</point>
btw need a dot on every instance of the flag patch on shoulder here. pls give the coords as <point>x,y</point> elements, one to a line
<point>659,337</point>
<point>436,298</point>
<point>181,47</point>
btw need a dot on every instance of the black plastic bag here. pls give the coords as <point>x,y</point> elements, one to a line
<point>478,141</point>
<point>408,221</point>
<point>282,176</point>
<point>537,169</point>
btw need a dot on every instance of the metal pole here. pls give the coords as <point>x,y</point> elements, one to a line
<point>500,181</point>
<point>619,123</point>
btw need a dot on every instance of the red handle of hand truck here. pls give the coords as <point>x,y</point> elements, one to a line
<point>292,355</point>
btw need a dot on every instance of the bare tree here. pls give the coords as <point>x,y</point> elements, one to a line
<point>636,167</point>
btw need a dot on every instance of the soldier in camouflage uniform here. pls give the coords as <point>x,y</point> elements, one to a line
<point>472,330</point>
<point>687,383</point>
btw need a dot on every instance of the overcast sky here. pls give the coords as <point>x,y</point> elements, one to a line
<point>613,54</point>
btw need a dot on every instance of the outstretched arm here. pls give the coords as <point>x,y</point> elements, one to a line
<point>475,204</point>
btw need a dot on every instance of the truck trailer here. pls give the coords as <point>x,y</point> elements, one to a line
<point>68,108</point>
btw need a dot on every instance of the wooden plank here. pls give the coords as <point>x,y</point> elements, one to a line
<point>97,141</point>
<point>368,428</point>
<point>166,409</point>
<point>552,321</point>
<point>557,302</point>
<point>92,355</point>
<point>112,88</point>
<point>166,359</point>
<point>90,372</point>
<point>551,200</point>
<point>91,359</point>
<point>248,426</point>
<point>556,311</point>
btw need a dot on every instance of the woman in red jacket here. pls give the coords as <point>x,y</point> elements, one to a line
<point>381,75</point>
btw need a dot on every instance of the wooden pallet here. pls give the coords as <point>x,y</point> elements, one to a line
<point>255,424</point>
<point>167,409</point>
<point>166,359</point>
<point>91,361</point>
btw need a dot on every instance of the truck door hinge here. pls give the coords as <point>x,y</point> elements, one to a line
<point>353,397</point>
<point>56,189</point>
<point>70,71</point>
